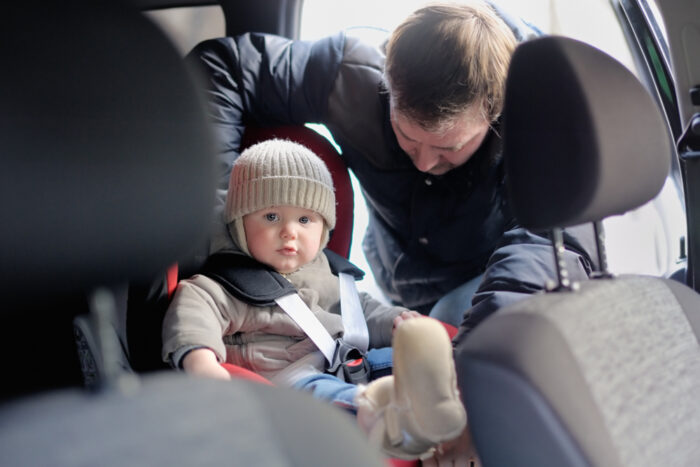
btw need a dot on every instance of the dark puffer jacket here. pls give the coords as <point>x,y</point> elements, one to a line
<point>427,234</point>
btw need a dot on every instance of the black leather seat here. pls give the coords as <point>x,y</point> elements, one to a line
<point>607,372</point>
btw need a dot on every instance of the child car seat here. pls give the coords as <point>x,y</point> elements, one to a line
<point>148,301</point>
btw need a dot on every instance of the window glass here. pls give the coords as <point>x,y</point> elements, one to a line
<point>651,9</point>
<point>591,21</point>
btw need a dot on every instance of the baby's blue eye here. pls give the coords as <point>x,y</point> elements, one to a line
<point>271,216</point>
<point>304,220</point>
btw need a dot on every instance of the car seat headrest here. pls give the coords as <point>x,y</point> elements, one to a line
<point>108,168</point>
<point>582,138</point>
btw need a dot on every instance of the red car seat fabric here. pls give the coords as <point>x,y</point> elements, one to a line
<point>240,372</point>
<point>147,303</point>
<point>402,463</point>
<point>171,280</point>
<point>451,330</point>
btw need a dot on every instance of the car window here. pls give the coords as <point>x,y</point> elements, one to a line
<point>371,19</point>
<point>657,24</point>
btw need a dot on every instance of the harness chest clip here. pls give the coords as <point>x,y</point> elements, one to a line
<point>349,364</point>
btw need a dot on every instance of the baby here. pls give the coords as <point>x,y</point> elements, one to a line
<point>280,209</point>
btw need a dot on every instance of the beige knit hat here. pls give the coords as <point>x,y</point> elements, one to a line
<point>278,173</point>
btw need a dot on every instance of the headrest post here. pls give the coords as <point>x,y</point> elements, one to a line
<point>563,282</point>
<point>603,272</point>
<point>102,306</point>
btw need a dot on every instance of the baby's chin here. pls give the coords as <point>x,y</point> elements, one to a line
<point>287,264</point>
<point>287,271</point>
<point>286,268</point>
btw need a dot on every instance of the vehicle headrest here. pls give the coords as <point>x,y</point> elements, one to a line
<point>582,137</point>
<point>107,165</point>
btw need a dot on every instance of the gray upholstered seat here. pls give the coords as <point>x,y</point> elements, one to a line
<point>607,373</point>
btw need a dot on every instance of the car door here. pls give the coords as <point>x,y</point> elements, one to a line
<point>665,36</point>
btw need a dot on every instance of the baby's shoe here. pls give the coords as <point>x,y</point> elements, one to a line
<point>372,401</point>
<point>411,412</point>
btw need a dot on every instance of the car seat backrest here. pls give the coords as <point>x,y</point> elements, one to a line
<point>108,170</point>
<point>106,175</point>
<point>607,373</point>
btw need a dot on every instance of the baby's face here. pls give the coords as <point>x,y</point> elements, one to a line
<point>283,237</point>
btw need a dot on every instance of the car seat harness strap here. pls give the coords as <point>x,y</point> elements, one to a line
<point>295,307</point>
<point>355,330</point>
<point>254,283</point>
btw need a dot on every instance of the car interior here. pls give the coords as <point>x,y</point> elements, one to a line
<point>109,192</point>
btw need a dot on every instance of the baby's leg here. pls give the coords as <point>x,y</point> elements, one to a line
<point>331,389</point>
<point>411,412</point>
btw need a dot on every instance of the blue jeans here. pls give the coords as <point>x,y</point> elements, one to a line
<point>330,388</point>
<point>451,307</point>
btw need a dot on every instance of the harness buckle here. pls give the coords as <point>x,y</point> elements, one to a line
<point>349,364</point>
<point>356,371</point>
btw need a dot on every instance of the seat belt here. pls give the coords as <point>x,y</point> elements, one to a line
<point>295,307</point>
<point>346,354</point>
<point>355,332</point>
<point>354,323</point>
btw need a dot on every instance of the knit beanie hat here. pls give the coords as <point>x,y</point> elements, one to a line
<point>278,173</point>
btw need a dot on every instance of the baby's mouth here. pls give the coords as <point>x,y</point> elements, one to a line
<point>287,251</point>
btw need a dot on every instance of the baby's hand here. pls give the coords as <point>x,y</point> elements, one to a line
<point>404,316</point>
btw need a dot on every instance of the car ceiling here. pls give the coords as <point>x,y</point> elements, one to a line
<point>280,17</point>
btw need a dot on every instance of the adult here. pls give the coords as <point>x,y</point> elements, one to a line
<point>418,124</point>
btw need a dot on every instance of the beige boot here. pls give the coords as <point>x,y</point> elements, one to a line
<point>372,401</point>
<point>409,414</point>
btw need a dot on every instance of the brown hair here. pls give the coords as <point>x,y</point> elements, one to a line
<point>446,57</point>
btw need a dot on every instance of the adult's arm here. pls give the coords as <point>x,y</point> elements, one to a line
<point>521,265</point>
<point>265,80</point>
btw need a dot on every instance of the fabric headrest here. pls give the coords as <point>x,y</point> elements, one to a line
<point>107,164</point>
<point>583,139</point>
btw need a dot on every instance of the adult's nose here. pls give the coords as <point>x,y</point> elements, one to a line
<point>423,159</point>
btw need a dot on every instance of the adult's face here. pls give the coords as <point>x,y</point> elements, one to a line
<point>439,152</point>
